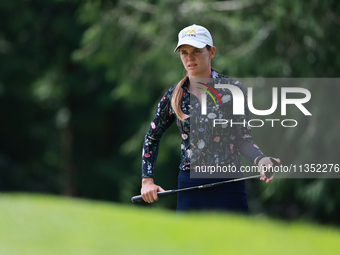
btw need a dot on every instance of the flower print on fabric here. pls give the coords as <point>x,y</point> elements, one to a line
<point>225,98</point>
<point>232,148</point>
<point>163,119</point>
<point>184,136</point>
<point>217,139</point>
<point>211,115</point>
<point>200,144</point>
<point>212,146</point>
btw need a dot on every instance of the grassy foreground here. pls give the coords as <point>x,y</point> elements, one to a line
<point>40,224</point>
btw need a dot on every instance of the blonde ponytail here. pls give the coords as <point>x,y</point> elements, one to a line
<point>176,100</point>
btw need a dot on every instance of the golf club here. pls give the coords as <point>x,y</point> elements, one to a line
<point>174,191</point>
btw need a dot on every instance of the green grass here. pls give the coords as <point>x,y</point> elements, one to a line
<point>39,224</point>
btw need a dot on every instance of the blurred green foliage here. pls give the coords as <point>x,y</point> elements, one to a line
<point>80,82</point>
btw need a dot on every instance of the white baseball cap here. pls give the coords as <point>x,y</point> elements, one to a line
<point>194,35</point>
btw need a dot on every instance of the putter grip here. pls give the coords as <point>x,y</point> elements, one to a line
<point>275,163</point>
<point>160,194</point>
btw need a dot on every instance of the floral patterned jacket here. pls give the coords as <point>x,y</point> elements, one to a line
<point>201,143</point>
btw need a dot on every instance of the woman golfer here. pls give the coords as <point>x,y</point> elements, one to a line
<point>201,144</point>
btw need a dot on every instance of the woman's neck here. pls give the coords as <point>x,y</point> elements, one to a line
<point>207,74</point>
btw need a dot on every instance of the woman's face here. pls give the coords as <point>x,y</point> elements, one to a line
<point>197,62</point>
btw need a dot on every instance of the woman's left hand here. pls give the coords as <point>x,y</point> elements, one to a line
<point>267,162</point>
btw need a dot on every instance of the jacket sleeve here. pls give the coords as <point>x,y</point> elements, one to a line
<point>249,149</point>
<point>244,139</point>
<point>163,119</point>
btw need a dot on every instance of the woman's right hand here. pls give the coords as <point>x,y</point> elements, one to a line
<point>149,190</point>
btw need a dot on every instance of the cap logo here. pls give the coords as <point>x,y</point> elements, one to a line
<point>188,33</point>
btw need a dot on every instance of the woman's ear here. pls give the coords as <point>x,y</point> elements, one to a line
<point>212,52</point>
